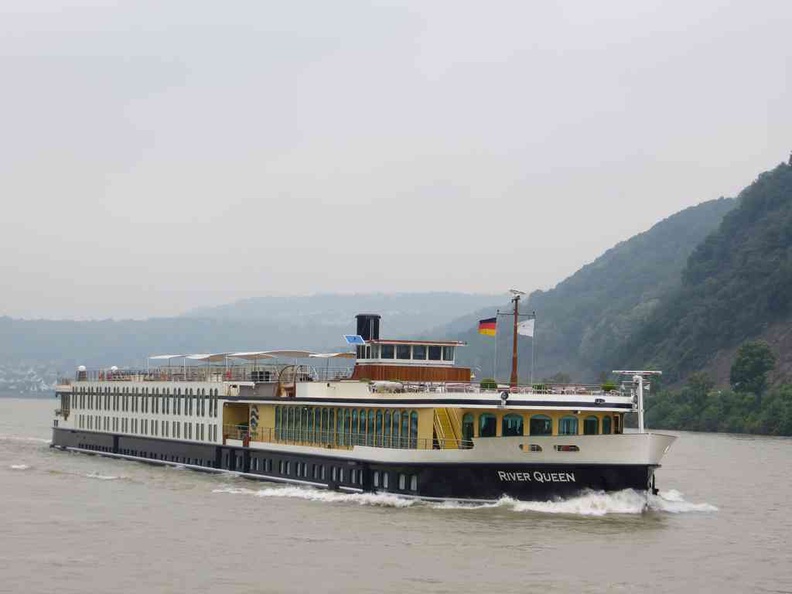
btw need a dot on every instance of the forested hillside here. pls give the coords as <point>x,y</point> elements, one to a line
<point>584,320</point>
<point>737,285</point>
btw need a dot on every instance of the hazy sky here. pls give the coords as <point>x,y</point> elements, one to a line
<point>156,156</point>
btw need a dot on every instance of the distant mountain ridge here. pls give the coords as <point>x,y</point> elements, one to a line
<point>403,314</point>
<point>301,322</point>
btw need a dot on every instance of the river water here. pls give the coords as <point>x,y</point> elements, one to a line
<point>76,523</point>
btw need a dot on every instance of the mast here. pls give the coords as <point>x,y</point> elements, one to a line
<point>516,300</point>
<point>639,381</point>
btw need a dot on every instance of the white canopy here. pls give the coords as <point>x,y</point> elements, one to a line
<point>211,357</point>
<point>252,355</point>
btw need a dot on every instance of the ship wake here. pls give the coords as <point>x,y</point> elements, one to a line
<point>588,504</point>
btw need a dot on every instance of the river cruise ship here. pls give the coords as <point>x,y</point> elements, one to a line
<point>401,417</point>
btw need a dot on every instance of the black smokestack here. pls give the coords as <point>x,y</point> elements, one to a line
<point>368,326</point>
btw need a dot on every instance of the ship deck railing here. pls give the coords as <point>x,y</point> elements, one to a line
<point>215,373</point>
<point>290,374</point>
<point>475,388</point>
<point>338,440</point>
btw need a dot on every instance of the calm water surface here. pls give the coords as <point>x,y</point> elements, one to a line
<point>75,523</point>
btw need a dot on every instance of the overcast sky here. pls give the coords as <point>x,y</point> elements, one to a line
<point>156,156</point>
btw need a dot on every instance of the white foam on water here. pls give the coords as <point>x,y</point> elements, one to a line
<point>19,466</point>
<point>310,494</point>
<point>595,503</point>
<point>102,477</point>
<point>673,502</point>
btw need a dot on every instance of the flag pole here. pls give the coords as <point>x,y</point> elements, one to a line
<point>533,352</point>
<point>495,360</point>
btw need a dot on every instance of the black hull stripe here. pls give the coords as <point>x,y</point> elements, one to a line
<point>442,481</point>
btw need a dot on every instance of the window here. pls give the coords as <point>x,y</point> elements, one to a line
<point>376,478</point>
<point>591,426</point>
<point>386,429</point>
<point>370,431</point>
<point>402,482</point>
<point>402,351</point>
<point>385,481</point>
<point>468,425</point>
<point>354,431</point>
<point>419,352</point>
<point>487,425</point>
<point>541,425</point>
<point>395,429</point>
<point>413,429</point>
<point>512,425</point>
<point>388,351</point>
<point>448,353</point>
<point>414,483</point>
<point>568,426</point>
<point>434,353</point>
<point>606,425</point>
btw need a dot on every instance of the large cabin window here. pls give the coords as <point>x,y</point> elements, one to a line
<point>378,429</point>
<point>387,351</point>
<point>591,426</point>
<point>403,351</point>
<point>606,425</point>
<point>387,429</point>
<point>512,425</point>
<point>370,433</point>
<point>487,425</point>
<point>568,426</point>
<point>434,353</point>
<point>419,352</point>
<point>395,429</point>
<point>541,425</point>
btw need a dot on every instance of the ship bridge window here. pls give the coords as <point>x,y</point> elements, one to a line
<point>402,351</point>
<point>419,352</point>
<point>606,425</point>
<point>541,425</point>
<point>591,426</point>
<point>512,425</point>
<point>568,426</point>
<point>448,353</point>
<point>434,353</point>
<point>388,351</point>
<point>487,425</point>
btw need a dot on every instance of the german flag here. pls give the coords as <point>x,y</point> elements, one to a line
<point>488,326</point>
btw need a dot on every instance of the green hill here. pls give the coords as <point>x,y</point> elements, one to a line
<point>582,322</point>
<point>737,285</point>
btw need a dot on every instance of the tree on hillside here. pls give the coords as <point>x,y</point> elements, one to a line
<point>750,368</point>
